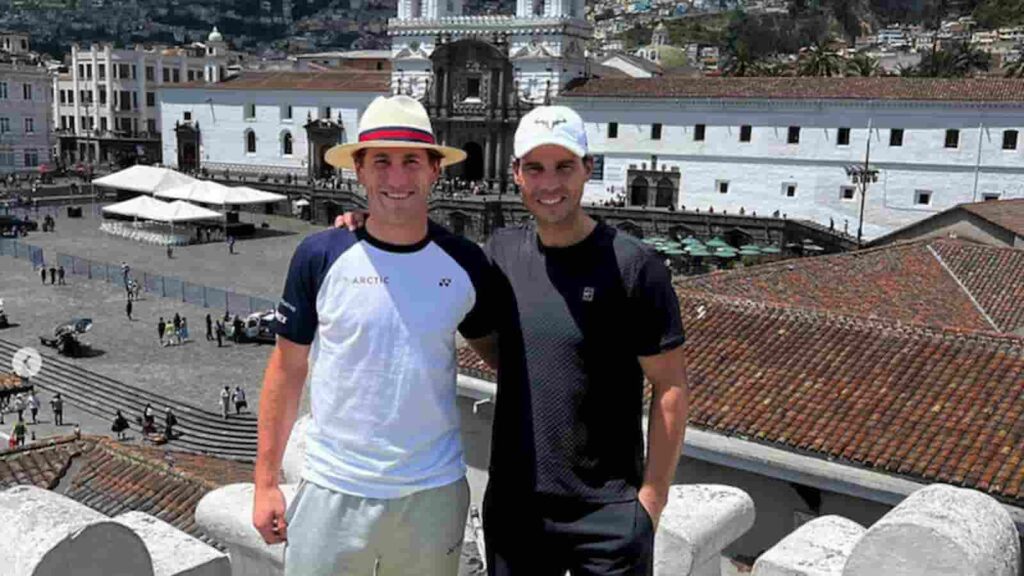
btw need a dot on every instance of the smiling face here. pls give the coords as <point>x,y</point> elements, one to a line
<point>551,179</point>
<point>397,182</point>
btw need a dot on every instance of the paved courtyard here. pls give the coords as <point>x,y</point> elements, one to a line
<point>129,350</point>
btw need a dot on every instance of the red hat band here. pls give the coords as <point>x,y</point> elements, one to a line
<point>397,133</point>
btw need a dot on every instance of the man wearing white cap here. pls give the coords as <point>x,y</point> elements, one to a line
<point>593,313</point>
<point>371,317</point>
<point>586,314</point>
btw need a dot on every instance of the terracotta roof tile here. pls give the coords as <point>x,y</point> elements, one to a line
<point>1008,214</point>
<point>993,276</point>
<point>112,478</point>
<point>901,282</point>
<point>806,88</point>
<point>348,81</point>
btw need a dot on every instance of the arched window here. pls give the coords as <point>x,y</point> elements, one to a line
<point>250,142</point>
<point>638,192</point>
<point>663,197</point>
<point>286,143</point>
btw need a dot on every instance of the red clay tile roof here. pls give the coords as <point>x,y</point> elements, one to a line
<point>911,400</point>
<point>806,88</point>
<point>472,365</point>
<point>899,282</point>
<point>112,478</point>
<point>993,276</point>
<point>1008,214</point>
<point>333,81</point>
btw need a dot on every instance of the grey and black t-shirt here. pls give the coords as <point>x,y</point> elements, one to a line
<point>570,387</point>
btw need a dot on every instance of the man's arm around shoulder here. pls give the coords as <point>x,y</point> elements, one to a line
<point>279,406</point>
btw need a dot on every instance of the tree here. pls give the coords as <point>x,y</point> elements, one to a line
<point>819,60</point>
<point>906,70</point>
<point>969,59</point>
<point>1014,69</point>
<point>862,65</point>
<point>740,62</point>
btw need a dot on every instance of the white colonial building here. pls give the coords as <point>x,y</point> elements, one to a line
<point>785,145</point>
<point>265,122</point>
<point>25,141</point>
<point>105,104</point>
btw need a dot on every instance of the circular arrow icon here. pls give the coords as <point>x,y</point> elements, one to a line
<point>27,362</point>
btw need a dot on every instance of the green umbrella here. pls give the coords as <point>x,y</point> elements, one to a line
<point>691,241</point>
<point>749,252</point>
<point>717,242</point>
<point>752,247</point>
<point>651,241</point>
<point>673,252</point>
<point>811,246</point>
<point>771,250</point>
<point>725,253</point>
<point>698,251</point>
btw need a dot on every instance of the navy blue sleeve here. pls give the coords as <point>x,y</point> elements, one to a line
<point>296,318</point>
<point>480,321</point>
<point>655,309</point>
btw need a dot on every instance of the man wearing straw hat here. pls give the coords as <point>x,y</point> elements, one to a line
<point>370,315</point>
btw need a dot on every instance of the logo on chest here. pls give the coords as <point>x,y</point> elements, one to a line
<point>588,294</point>
<point>445,282</point>
<point>365,280</point>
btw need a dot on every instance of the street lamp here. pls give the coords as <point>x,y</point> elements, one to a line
<point>861,175</point>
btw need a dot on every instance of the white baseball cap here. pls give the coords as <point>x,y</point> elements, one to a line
<point>558,125</point>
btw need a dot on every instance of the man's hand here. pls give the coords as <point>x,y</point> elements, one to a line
<point>268,515</point>
<point>351,220</point>
<point>653,502</point>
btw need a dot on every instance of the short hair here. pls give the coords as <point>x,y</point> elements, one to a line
<point>433,156</point>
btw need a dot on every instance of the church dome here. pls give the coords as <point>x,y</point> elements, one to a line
<point>215,36</point>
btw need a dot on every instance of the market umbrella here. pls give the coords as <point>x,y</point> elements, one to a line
<point>771,250</point>
<point>750,252</point>
<point>725,253</point>
<point>698,251</point>
<point>717,242</point>
<point>691,241</point>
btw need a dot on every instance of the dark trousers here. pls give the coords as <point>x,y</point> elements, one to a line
<point>547,536</point>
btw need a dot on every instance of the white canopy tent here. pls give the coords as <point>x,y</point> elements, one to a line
<point>181,211</point>
<point>146,179</point>
<point>207,192</point>
<point>136,207</point>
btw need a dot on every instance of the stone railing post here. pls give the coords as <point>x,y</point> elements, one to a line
<point>698,522</point>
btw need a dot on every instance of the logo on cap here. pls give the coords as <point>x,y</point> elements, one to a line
<point>550,124</point>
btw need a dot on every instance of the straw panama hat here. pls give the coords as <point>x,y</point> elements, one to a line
<point>395,122</point>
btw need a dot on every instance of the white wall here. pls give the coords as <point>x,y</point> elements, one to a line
<point>15,109</point>
<point>222,126</point>
<point>756,170</point>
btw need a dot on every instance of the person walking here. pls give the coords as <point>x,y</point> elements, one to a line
<point>177,322</point>
<point>119,425</point>
<point>225,402</point>
<point>160,327</point>
<point>125,269</point>
<point>19,406</point>
<point>128,308</point>
<point>170,421</point>
<point>184,329</point>
<point>169,334</point>
<point>42,274</point>
<point>33,406</point>
<point>384,466</point>
<point>231,244</point>
<point>220,334</point>
<point>57,405</point>
<point>19,432</point>
<point>60,275</point>
<point>53,276</point>
<point>148,420</point>
<point>238,397</point>
<point>209,328</point>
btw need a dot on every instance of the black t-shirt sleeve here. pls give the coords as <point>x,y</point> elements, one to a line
<point>658,326</point>
<point>296,317</point>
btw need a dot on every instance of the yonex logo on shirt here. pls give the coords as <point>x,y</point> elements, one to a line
<point>445,282</point>
<point>588,294</point>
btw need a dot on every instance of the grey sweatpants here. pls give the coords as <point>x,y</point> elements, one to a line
<point>336,534</point>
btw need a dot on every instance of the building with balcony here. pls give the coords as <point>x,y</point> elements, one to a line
<point>105,101</point>
<point>25,139</point>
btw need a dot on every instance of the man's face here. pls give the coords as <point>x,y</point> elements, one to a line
<point>397,182</point>
<point>551,180</point>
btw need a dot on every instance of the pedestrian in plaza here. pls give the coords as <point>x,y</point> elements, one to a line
<point>125,269</point>
<point>184,329</point>
<point>128,308</point>
<point>231,244</point>
<point>209,328</point>
<point>225,402</point>
<point>19,406</point>
<point>238,397</point>
<point>148,420</point>
<point>236,329</point>
<point>19,432</point>
<point>169,334</point>
<point>220,334</point>
<point>170,252</point>
<point>177,322</point>
<point>53,276</point>
<point>33,406</point>
<point>119,425</point>
<point>60,275</point>
<point>160,326</point>
<point>170,421</point>
<point>57,405</point>
<point>42,273</point>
